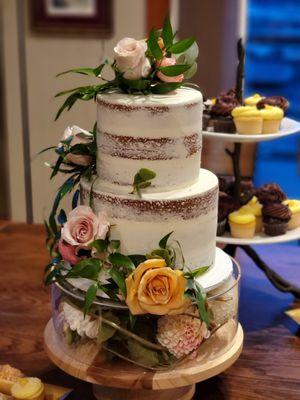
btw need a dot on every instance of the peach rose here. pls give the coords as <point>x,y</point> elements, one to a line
<point>68,252</point>
<point>167,62</point>
<point>79,136</point>
<point>131,59</point>
<point>157,289</point>
<point>83,227</point>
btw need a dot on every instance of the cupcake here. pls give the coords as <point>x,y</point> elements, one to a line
<point>247,191</point>
<point>221,112</point>
<point>275,218</point>
<point>206,117</point>
<point>29,389</point>
<point>225,207</point>
<point>242,226</point>
<point>255,208</point>
<point>275,101</point>
<point>272,117</point>
<point>226,183</point>
<point>248,120</point>
<point>294,206</point>
<point>8,376</point>
<point>253,100</point>
<point>270,193</point>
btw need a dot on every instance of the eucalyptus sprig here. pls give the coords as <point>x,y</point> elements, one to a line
<point>142,180</point>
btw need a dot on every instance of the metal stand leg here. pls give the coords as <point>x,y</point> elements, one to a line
<point>276,280</point>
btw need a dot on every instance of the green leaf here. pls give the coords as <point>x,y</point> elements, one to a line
<point>181,46</point>
<point>56,167</point>
<point>90,296</point>
<point>197,272</point>
<point>114,245</point>
<point>146,174</point>
<point>137,259</point>
<point>88,268</point>
<point>163,242</point>
<point>100,245</point>
<point>84,71</point>
<point>191,71</point>
<point>153,46</point>
<point>174,70</point>
<point>165,87</point>
<point>167,32</point>
<point>106,331</point>
<point>138,85</point>
<point>120,260</point>
<point>118,279</point>
<point>141,354</point>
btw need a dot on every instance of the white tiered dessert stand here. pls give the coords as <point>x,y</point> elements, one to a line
<point>288,127</point>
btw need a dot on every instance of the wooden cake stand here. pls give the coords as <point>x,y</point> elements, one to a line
<point>118,379</point>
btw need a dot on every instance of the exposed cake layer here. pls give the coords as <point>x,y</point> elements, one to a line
<point>141,222</point>
<point>159,132</point>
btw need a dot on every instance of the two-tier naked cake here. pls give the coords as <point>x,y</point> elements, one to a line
<point>162,133</point>
<point>135,272</point>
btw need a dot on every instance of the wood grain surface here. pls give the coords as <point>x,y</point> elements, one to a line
<point>269,367</point>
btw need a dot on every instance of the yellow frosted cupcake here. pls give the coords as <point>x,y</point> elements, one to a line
<point>272,117</point>
<point>253,207</point>
<point>248,120</point>
<point>253,100</point>
<point>28,389</point>
<point>242,226</point>
<point>294,206</point>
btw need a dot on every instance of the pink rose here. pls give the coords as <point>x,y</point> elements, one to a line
<point>131,59</point>
<point>83,227</point>
<point>78,136</point>
<point>166,62</point>
<point>68,252</point>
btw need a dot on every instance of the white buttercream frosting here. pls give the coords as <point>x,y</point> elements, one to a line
<point>159,132</point>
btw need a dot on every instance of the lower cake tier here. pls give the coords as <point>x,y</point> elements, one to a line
<point>140,223</point>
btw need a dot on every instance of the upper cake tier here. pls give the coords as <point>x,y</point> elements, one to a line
<point>158,132</point>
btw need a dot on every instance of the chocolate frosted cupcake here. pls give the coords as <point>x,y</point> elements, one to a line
<point>270,193</point>
<point>221,112</point>
<point>275,218</point>
<point>247,191</point>
<point>206,117</point>
<point>226,183</point>
<point>226,206</point>
<point>275,101</point>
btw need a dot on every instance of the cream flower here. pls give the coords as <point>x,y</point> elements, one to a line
<point>181,334</point>
<point>131,59</point>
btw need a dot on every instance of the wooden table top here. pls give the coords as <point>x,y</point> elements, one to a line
<point>269,367</point>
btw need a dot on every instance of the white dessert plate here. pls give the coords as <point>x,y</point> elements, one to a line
<point>218,273</point>
<point>288,127</point>
<point>261,238</point>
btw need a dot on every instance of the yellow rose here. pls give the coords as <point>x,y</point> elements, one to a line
<point>157,289</point>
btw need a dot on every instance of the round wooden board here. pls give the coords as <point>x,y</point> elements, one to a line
<point>117,375</point>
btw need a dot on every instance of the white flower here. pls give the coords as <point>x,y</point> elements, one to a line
<point>181,334</point>
<point>85,326</point>
<point>131,59</point>
<point>77,136</point>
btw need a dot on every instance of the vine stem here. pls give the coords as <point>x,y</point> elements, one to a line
<point>143,341</point>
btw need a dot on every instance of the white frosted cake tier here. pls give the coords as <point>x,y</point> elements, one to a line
<point>158,132</point>
<point>140,223</point>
